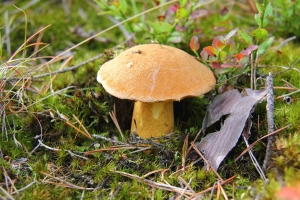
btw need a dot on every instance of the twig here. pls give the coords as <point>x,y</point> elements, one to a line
<point>114,118</point>
<point>155,184</point>
<point>24,188</point>
<point>69,68</point>
<point>270,118</point>
<point>255,163</point>
<point>187,185</point>
<point>284,42</point>
<point>86,133</point>
<point>215,186</point>
<point>108,139</point>
<point>206,161</point>
<point>288,94</point>
<point>8,181</point>
<point>68,151</point>
<point>254,143</point>
<point>8,196</point>
<point>56,92</point>
<point>63,183</point>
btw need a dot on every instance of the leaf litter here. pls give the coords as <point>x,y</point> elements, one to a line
<point>237,106</point>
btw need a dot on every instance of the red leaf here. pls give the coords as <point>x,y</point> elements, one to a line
<point>248,50</point>
<point>194,44</point>
<point>216,65</point>
<point>239,57</point>
<point>219,42</point>
<point>204,55</point>
<point>210,50</point>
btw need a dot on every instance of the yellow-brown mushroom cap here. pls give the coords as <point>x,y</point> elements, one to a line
<point>154,72</point>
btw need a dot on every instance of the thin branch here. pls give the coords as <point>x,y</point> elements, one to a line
<point>69,68</point>
<point>285,42</point>
<point>114,118</point>
<point>108,139</point>
<point>254,143</point>
<point>254,161</point>
<point>155,184</point>
<point>206,161</point>
<point>68,151</point>
<point>270,118</point>
<point>64,183</point>
<point>24,188</point>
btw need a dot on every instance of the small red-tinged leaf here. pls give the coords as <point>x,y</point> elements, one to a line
<point>204,55</point>
<point>210,50</point>
<point>228,64</point>
<point>219,42</point>
<point>239,57</point>
<point>249,50</point>
<point>194,44</point>
<point>216,65</point>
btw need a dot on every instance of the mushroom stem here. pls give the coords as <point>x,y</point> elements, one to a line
<point>154,119</point>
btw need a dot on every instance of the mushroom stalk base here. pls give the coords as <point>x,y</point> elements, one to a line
<point>153,119</point>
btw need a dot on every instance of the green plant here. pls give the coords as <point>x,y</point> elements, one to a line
<point>286,18</point>
<point>231,57</point>
<point>169,27</point>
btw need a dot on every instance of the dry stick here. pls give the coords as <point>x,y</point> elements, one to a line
<point>288,94</point>
<point>7,178</point>
<point>206,161</point>
<point>215,186</point>
<point>254,161</point>
<point>68,151</point>
<point>24,188</point>
<point>63,183</point>
<point>155,184</point>
<point>114,118</point>
<point>270,118</point>
<point>254,143</point>
<point>188,186</point>
<point>108,139</point>
<point>8,196</point>
<point>69,68</point>
<point>285,42</point>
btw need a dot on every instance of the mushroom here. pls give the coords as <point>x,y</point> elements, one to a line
<point>154,75</point>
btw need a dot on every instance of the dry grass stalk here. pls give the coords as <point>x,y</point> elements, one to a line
<point>254,143</point>
<point>114,118</point>
<point>61,183</point>
<point>9,183</point>
<point>162,186</point>
<point>84,133</point>
<point>206,161</point>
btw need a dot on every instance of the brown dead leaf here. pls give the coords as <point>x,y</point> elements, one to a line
<point>237,106</point>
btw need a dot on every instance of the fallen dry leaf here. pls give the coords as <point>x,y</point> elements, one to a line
<point>237,106</point>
